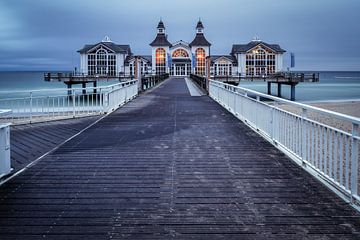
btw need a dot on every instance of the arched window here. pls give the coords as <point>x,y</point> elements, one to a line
<point>160,61</point>
<point>223,67</point>
<point>200,62</point>
<point>101,58</point>
<point>260,62</point>
<point>180,53</point>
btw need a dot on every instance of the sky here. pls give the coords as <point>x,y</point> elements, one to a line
<point>45,34</point>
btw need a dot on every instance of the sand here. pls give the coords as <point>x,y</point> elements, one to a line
<point>351,108</point>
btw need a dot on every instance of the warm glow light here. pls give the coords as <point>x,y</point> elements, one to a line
<point>180,53</point>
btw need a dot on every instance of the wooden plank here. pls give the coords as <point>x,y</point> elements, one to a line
<point>170,166</point>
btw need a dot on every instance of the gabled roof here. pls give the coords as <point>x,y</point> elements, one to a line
<point>146,58</point>
<point>117,48</point>
<point>200,40</point>
<point>243,48</point>
<point>160,40</point>
<point>230,58</point>
<point>180,43</point>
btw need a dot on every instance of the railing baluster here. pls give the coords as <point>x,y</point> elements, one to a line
<point>354,159</point>
<point>347,163</point>
<point>325,149</point>
<point>341,157</point>
<point>330,153</point>
<point>31,106</point>
<point>335,156</point>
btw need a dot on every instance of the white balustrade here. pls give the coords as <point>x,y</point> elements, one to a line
<point>328,153</point>
<point>51,104</point>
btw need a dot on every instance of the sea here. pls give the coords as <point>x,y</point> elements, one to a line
<point>20,84</point>
<point>333,86</point>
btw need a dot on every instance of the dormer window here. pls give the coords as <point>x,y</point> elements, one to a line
<point>161,30</point>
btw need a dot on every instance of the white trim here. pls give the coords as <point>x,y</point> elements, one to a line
<point>101,44</point>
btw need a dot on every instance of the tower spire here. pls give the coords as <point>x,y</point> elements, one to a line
<point>161,27</point>
<point>199,27</point>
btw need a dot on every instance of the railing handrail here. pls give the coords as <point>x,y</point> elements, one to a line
<point>330,113</point>
<point>326,152</point>
<point>67,89</point>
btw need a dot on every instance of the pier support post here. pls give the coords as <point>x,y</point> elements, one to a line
<point>95,85</point>
<point>83,88</point>
<point>279,90</point>
<point>269,88</point>
<point>69,89</point>
<point>292,92</point>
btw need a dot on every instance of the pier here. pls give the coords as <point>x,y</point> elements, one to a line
<point>70,79</point>
<point>168,165</point>
<point>290,79</point>
<point>281,78</point>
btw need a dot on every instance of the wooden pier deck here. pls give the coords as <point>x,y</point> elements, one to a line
<point>31,141</point>
<point>171,166</point>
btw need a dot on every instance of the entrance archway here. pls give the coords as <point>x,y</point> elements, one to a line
<point>181,63</point>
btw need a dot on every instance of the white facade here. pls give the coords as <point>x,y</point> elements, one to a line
<point>180,58</point>
<point>262,59</point>
<point>103,59</point>
<point>255,58</point>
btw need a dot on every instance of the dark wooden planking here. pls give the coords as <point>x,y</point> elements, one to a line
<point>170,166</point>
<point>30,141</point>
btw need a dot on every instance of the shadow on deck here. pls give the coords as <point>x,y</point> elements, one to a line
<point>171,166</point>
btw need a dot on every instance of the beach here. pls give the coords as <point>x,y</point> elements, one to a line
<point>351,108</point>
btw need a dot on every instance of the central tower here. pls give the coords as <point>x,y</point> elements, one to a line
<point>160,50</point>
<point>200,49</point>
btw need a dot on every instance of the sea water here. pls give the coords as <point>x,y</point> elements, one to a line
<point>333,86</point>
<point>19,84</point>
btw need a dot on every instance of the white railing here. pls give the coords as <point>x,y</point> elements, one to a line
<point>51,104</point>
<point>5,166</point>
<point>328,153</point>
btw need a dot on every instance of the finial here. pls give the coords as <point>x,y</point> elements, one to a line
<point>256,39</point>
<point>106,39</point>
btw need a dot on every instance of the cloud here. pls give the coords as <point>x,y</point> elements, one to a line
<point>56,29</point>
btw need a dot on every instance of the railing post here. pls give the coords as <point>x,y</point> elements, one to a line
<point>101,101</point>
<point>113,98</point>
<point>30,113</point>
<point>271,123</point>
<point>5,165</point>
<point>73,100</point>
<point>303,136</point>
<point>354,160</point>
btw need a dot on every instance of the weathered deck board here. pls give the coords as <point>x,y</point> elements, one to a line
<point>30,141</point>
<point>171,166</point>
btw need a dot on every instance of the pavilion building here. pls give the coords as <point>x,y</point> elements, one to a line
<point>253,59</point>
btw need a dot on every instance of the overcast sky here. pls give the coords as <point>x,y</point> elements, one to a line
<point>45,34</point>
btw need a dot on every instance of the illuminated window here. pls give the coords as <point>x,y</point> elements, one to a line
<point>111,64</point>
<point>260,62</point>
<point>223,68</point>
<point>180,53</point>
<point>101,62</point>
<point>160,61</point>
<point>200,62</point>
<point>91,64</point>
<point>101,58</point>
